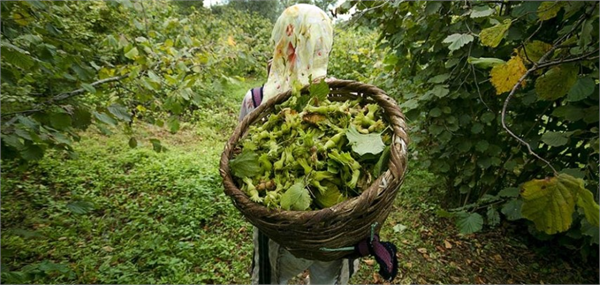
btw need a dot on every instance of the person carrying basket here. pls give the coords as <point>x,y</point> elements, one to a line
<point>302,39</point>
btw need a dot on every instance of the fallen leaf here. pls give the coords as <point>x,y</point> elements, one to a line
<point>422,250</point>
<point>447,244</point>
<point>480,280</point>
<point>369,262</point>
<point>108,248</point>
<point>440,248</point>
<point>408,265</point>
<point>469,262</point>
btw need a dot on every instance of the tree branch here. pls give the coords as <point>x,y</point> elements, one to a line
<point>62,96</point>
<point>535,67</point>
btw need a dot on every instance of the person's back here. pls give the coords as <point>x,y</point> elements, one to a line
<point>302,39</point>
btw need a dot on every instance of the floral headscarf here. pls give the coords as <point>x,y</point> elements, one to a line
<point>302,36</point>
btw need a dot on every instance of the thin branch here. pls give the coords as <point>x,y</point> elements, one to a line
<point>516,86</point>
<point>145,17</point>
<point>479,91</point>
<point>62,96</point>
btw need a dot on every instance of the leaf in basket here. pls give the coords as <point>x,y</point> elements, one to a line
<point>245,165</point>
<point>319,90</point>
<point>364,143</point>
<point>296,198</point>
<point>382,163</point>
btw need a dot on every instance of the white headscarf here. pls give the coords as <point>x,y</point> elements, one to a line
<point>302,37</point>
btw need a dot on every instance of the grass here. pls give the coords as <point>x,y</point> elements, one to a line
<point>120,215</point>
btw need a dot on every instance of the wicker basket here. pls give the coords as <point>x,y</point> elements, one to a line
<point>306,233</point>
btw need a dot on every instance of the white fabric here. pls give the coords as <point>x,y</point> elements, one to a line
<point>302,38</point>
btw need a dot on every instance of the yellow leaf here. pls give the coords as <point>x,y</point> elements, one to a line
<point>492,37</point>
<point>505,76</point>
<point>548,10</point>
<point>230,41</point>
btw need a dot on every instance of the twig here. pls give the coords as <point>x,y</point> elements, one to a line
<point>62,96</point>
<point>145,17</point>
<point>516,86</point>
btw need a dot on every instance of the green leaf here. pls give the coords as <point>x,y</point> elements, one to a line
<point>132,53</point>
<point>382,162</point>
<point>585,200</point>
<point>482,11</point>
<point>132,142</point>
<point>88,88</point>
<point>12,140</point>
<point>80,207</point>
<point>549,203</point>
<point>457,41</point>
<point>488,117</point>
<point>477,128</point>
<point>556,82</point>
<point>157,146</point>
<point>440,90</point>
<point>60,121</point>
<point>82,118</point>
<point>493,217</point>
<point>469,223</point>
<point>511,192</point>
<point>485,62</point>
<point>555,138</point>
<point>482,145</point>
<point>364,143</point>
<point>548,10</point>
<point>575,172</point>
<point>32,152</point>
<point>491,37</point>
<point>569,112</point>
<point>409,105</point>
<point>16,58</point>
<point>583,88</point>
<point>435,112</point>
<point>512,209</point>
<point>439,78</point>
<point>105,118</point>
<point>173,124</point>
<point>319,90</point>
<point>296,198</point>
<point>120,112</point>
<point>592,231</point>
<point>245,165</point>
<point>330,197</point>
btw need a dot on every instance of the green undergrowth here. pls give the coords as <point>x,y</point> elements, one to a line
<point>122,215</point>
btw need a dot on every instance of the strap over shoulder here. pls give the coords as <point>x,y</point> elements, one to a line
<point>257,96</point>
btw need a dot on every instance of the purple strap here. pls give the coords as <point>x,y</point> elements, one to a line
<point>257,95</point>
<point>384,253</point>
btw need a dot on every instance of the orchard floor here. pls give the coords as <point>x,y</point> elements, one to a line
<point>148,224</point>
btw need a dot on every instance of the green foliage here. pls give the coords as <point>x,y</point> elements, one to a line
<point>439,66</point>
<point>120,215</point>
<point>107,63</point>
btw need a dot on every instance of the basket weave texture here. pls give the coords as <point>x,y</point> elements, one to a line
<point>306,233</point>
